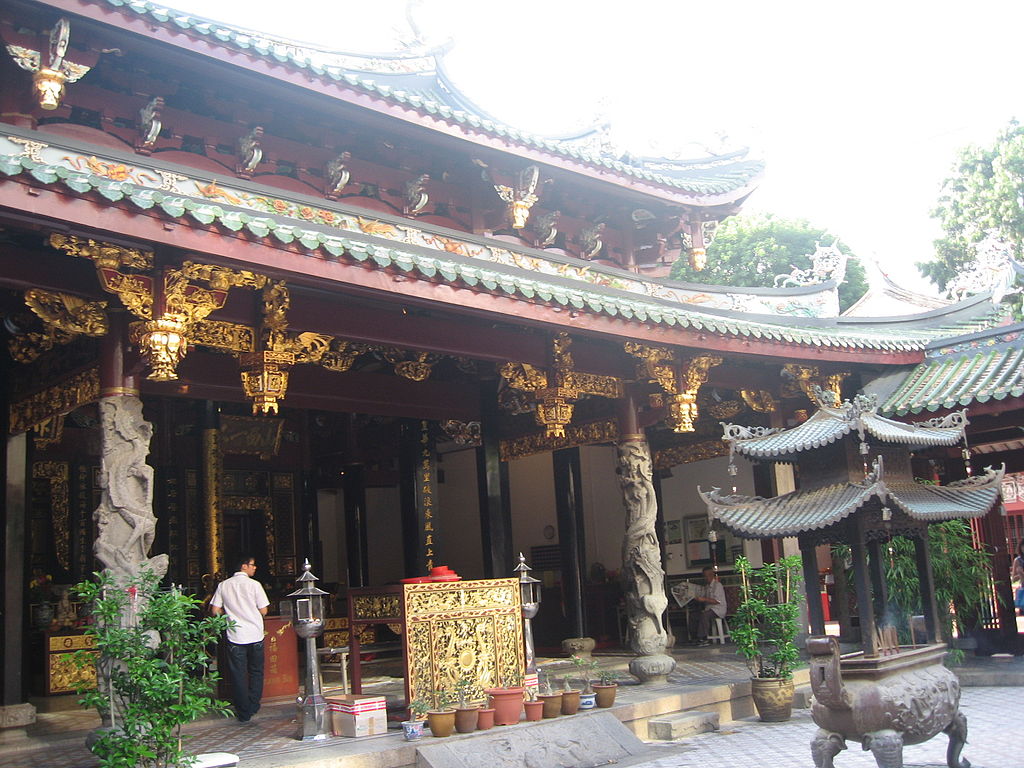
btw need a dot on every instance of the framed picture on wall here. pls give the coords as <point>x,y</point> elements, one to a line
<point>698,548</point>
<point>673,531</point>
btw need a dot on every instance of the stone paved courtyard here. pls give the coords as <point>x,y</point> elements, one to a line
<point>995,740</point>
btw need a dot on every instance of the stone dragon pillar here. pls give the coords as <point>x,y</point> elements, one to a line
<point>642,574</point>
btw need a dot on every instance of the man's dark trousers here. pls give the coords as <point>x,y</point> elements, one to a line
<point>245,661</point>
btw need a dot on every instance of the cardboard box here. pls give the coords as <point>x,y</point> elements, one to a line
<point>357,715</point>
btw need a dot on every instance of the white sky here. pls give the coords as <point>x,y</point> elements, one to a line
<point>858,108</point>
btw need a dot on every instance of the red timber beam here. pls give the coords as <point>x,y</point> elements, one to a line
<point>316,86</point>
<point>216,377</point>
<point>303,269</point>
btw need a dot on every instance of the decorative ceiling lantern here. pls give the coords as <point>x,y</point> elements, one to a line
<point>49,79</point>
<point>682,407</point>
<point>554,409</point>
<point>697,236</point>
<point>265,378</point>
<point>162,344</point>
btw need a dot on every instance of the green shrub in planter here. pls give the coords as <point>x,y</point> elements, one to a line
<point>766,619</point>
<point>153,669</point>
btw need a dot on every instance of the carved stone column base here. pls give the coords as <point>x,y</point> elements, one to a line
<point>579,646</point>
<point>652,669</point>
<point>14,718</point>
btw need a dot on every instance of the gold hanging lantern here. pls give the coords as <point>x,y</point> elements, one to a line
<point>265,378</point>
<point>682,412</point>
<point>162,344</point>
<point>554,410</point>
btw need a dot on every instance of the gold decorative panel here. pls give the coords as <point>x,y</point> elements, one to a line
<point>376,607</point>
<point>463,629</point>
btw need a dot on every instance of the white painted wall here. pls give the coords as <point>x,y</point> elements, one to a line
<point>604,512</point>
<point>680,500</point>
<point>532,496</point>
<point>458,542</point>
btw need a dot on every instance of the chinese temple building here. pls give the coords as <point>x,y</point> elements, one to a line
<point>260,297</point>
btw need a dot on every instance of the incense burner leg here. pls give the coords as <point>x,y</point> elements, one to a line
<point>957,732</point>
<point>825,746</point>
<point>886,746</point>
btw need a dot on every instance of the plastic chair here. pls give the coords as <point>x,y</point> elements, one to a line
<point>719,631</point>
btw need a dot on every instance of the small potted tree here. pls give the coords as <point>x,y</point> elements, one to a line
<point>764,629</point>
<point>534,707</point>
<point>551,700</point>
<point>412,728</point>
<point>441,715</point>
<point>466,713</point>
<point>570,696</point>
<point>507,700</point>
<point>605,688</point>
<point>586,669</point>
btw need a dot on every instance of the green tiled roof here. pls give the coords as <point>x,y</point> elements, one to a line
<point>969,371</point>
<point>111,180</point>
<point>830,423</point>
<point>431,94</point>
<point>802,511</point>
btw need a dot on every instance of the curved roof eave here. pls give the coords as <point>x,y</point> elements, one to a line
<point>419,108</point>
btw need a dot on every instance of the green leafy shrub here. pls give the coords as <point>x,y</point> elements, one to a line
<point>153,669</point>
<point>765,623</point>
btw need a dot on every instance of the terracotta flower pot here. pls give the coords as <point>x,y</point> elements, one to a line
<point>605,694</point>
<point>507,703</point>
<point>773,698</point>
<point>484,719</point>
<point>534,710</point>
<point>441,723</point>
<point>466,719</point>
<point>570,702</point>
<point>552,704</point>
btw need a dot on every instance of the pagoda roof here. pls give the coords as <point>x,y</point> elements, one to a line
<point>974,368</point>
<point>332,231</point>
<point>801,511</point>
<point>417,81</point>
<point>831,423</point>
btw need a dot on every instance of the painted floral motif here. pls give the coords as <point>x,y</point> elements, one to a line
<point>112,171</point>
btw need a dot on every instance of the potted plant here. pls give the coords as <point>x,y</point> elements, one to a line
<point>605,688</point>
<point>412,728</point>
<point>764,629</point>
<point>570,697</point>
<point>586,669</point>
<point>534,707</point>
<point>153,668</point>
<point>507,700</point>
<point>466,713</point>
<point>441,715</point>
<point>551,700</point>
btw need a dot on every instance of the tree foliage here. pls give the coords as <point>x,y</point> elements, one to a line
<point>749,251</point>
<point>153,669</point>
<point>985,193</point>
<point>765,625</point>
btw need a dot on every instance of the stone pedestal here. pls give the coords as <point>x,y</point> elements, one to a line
<point>579,646</point>
<point>14,719</point>
<point>652,669</point>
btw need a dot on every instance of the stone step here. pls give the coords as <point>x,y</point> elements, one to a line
<point>681,725</point>
<point>802,697</point>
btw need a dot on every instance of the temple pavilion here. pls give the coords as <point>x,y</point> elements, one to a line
<point>262,297</point>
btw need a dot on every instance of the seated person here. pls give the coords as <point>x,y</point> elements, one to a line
<point>710,599</point>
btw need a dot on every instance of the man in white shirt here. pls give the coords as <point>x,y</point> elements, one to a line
<point>711,601</point>
<point>245,602</point>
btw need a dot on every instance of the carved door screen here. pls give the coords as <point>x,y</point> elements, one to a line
<point>463,629</point>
